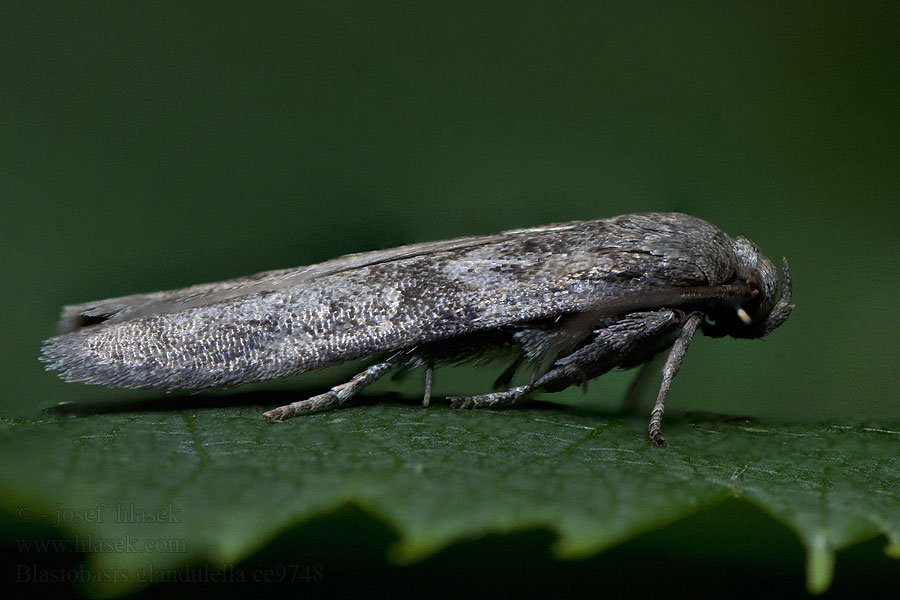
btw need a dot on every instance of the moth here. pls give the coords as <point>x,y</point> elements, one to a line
<point>564,303</point>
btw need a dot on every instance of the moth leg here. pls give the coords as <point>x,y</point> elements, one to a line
<point>429,378</point>
<point>336,395</point>
<point>510,396</point>
<point>507,375</point>
<point>629,342</point>
<point>642,379</point>
<point>669,371</point>
<point>611,346</point>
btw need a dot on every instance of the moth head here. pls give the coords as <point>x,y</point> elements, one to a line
<point>760,310</point>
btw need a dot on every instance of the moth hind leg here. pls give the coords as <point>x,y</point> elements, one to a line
<point>495,399</point>
<point>336,395</point>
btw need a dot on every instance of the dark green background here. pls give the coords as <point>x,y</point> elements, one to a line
<point>146,146</point>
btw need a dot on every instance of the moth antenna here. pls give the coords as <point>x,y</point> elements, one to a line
<point>782,309</point>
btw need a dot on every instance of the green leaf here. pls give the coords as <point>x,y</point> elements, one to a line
<point>220,483</point>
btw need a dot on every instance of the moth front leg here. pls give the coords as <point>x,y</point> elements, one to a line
<point>673,363</point>
<point>631,341</point>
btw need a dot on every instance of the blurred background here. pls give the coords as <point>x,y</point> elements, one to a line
<point>148,146</point>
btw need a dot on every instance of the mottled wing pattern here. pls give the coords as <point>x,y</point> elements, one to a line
<point>284,322</point>
<point>116,310</point>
